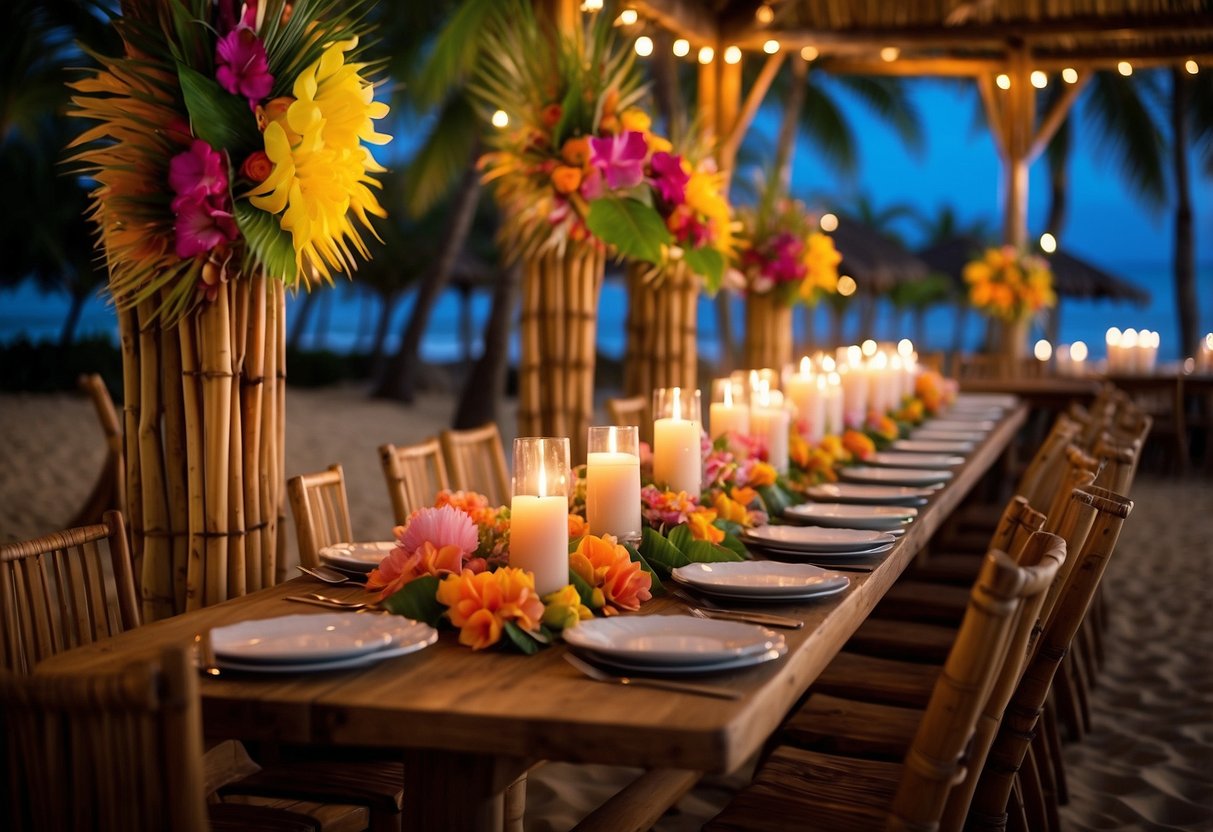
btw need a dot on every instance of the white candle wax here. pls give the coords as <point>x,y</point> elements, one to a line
<point>539,539</point>
<point>815,413</point>
<point>612,494</point>
<point>854,395</point>
<point>772,424</point>
<point>723,418</point>
<point>834,404</point>
<point>677,462</point>
<point>800,388</point>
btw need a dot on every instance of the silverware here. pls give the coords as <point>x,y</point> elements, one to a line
<point>850,567</point>
<point>705,608</point>
<point>319,600</point>
<point>599,675</point>
<point>330,575</point>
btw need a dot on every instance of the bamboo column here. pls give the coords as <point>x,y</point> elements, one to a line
<point>559,328</point>
<point>662,323</point>
<point>768,332</point>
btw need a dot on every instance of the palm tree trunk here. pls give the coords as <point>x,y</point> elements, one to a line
<point>305,312</point>
<point>1185,254</point>
<point>486,382</point>
<point>68,333</point>
<point>399,379</point>
<point>387,305</point>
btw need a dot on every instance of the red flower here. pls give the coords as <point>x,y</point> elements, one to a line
<point>257,167</point>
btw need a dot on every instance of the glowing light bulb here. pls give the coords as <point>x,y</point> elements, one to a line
<point>846,286</point>
<point>829,222</point>
<point>809,53</point>
<point>1078,351</point>
<point>1191,66</point>
<point>764,14</point>
<point>1125,68</point>
<point>771,46</point>
<point>644,46</point>
<point>1003,81</point>
<point>591,6</point>
<point>706,54</point>
<point>682,47</point>
<point>1048,243</point>
<point>1069,75</point>
<point>1039,79</point>
<point>889,54</point>
<point>500,119</point>
<point>1043,350</point>
<point>628,17</point>
<point>732,55</point>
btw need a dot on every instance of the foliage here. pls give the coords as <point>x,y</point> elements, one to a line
<point>786,253</point>
<point>1010,284</point>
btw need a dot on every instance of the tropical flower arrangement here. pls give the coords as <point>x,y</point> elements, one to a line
<point>230,138</point>
<point>578,159</point>
<point>786,254</point>
<point>1010,284</point>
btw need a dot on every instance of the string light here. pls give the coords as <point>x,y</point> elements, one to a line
<point>591,6</point>
<point>1078,351</point>
<point>889,54</point>
<point>764,14</point>
<point>846,286</point>
<point>1039,79</point>
<point>1191,66</point>
<point>809,53</point>
<point>628,17</point>
<point>1048,243</point>
<point>644,46</point>
<point>771,46</point>
<point>706,54</point>
<point>1043,350</point>
<point>829,222</point>
<point>869,347</point>
<point>682,47</point>
<point>732,55</point>
<point>1003,81</point>
<point>500,119</point>
<point>1125,68</point>
<point>1069,75</point>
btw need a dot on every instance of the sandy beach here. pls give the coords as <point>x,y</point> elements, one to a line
<point>1147,764</point>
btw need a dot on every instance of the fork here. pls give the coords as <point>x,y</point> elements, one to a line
<point>703,608</point>
<point>330,576</point>
<point>600,675</point>
<point>325,601</point>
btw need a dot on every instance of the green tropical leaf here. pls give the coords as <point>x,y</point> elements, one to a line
<point>700,551</point>
<point>583,588</point>
<point>455,50</point>
<point>217,117</point>
<point>776,498</point>
<point>731,541</point>
<point>660,553</point>
<point>267,243</point>
<point>708,263</point>
<point>521,639</point>
<point>443,158</point>
<point>633,228</point>
<point>417,600</point>
<point>634,553</point>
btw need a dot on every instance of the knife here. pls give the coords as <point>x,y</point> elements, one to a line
<point>763,618</point>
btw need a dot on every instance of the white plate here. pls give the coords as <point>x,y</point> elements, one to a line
<point>338,664</point>
<point>362,557</point>
<point>760,578</point>
<point>936,446</point>
<point>947,435</point>
<point>843,516</point>
<point>735,663</point>
<point>311,637</point>
<point>800,554</point>
<point>894,476</point>
<point>869,495</point>
<point>670,639</point>
<point>1006,401</point>
<point>959,422</point>
<point>815,538</point>
<point>773,599</point>
<point>896,459</point>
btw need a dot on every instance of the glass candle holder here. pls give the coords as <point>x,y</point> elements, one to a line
<point>677,458</point>
<point>612,482</point>
<point>539,511</point>
<point>728,410</point>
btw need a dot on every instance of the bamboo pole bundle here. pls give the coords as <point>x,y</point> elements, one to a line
<point>238,332</point>
<point>768,332</point>
<point>662,325</point>
<point>128,327</point>
<point>157,565</point>
<point>251,402</point>
<point>177,484</point>
<point>278,481</point>
<point>191,384</point>
<point>267,493</point>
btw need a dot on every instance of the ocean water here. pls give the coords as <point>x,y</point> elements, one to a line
<point>344,319</point>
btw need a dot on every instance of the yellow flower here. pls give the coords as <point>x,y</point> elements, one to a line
<point>701,526</point>
<point>763,473</point>
<point>563,608</point>
<point>704,196</point>
<point>635,119</point>
<point>821,261</point>
<point>729,509</point>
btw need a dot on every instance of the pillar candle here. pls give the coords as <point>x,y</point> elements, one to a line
<point>727,415</point>
<point>677,459</point>
<point>799,386</point>
<point>612,494</point>
<point>854,379</point>
<point>770,421</point>
<point>815,415</point>
<point>834,404</point>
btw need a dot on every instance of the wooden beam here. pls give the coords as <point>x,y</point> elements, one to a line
<point>1056,115</point>
<point>684,18</point>
<point>1018,118</point>
<point>940,67</point>
<point>708,92</point>
<point>993,110</point>
<point>762,84</point>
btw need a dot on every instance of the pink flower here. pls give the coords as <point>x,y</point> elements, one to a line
<point>201,226</point>
<point>241,64</point>
<point>620,158</point>
<point>441,527</point>
<point>669,178</point>
<point>591,184</point>
<point>197,173</point>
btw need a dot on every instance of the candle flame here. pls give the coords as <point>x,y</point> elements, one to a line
<point>728,394</point>
<point>1113,336</point>
<point>806,366</point>
<point>677,403</point>
<point>906,347</point>
<point>828,364</point>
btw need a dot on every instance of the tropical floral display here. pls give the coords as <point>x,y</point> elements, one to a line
<point>1009,284</point>
<point>578,159</point>
<point>786,254</point>
<point>231,138</point>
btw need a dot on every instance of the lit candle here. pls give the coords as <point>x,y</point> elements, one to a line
<point>1128,346</point>
<point>1115,359</point>
<point>1204,356</point>
<point>770,421</point>
<point>725,413</point>
<point>834,408</point>
<point>816,417</point>
<point>801,387</point>
<point>677,460</point>
<point>854,379</point>
<point>539,511</point>
<point>1078,358</point>
<point>878,383</point>
<point>612,482</point>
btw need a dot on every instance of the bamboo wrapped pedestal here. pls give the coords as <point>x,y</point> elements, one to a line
<point>1010,344</point>
<point>768,332</point>
<point>662,326</point>
<point>559,328</point>
<point>204,421</point>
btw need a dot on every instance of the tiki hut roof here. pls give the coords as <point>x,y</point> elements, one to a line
<point>876,261</point>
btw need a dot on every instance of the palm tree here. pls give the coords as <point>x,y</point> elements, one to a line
<point>1191,116</point>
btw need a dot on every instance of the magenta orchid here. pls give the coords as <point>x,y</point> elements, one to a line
<point>200,226</point>
<point>669,178</point>
<point>198,173</point>
<point>242,67</point>
<point>620,158</point>
<point>198,177</point>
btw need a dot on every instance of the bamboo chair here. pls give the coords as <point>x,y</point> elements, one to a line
<point>475,461</point>
<point>109,492</point>
<point>321,510</point>
<point>414,474</point>
<point>633,410</point>
<point>802,789</point>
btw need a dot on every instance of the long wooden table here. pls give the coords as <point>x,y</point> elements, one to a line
<point>467,724</point>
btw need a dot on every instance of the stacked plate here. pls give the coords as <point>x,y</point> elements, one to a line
<point>357,557</point>
<point>316,642</point>
<point>674,644</point>
<point>870,495</point>
<point>815,543</point>
<point>914,477</point>
<point>842,516</point>
<point>903,459</point>
<point>762,580</point>
<point>928,432</point>
<point>933,446</point>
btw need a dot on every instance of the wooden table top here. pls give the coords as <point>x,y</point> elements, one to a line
<point>495,704</point>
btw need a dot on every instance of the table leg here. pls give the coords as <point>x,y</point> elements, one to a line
<point>456,790</point>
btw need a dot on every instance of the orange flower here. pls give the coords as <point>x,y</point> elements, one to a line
<point>578,526</point>
<point>822,464</point>
<point>833,445</point>
<point>257,166</point>
<point>762,473</point>
<point>744,496</point>
<point>566,179</point>
<point>576,151</point>
<point>729,509</point>
<point>859,444</point>
<point>702,528</point>
<point>480,604</point>
<point>798,450</point>
<point>608,568</point>
<point>401,567</point>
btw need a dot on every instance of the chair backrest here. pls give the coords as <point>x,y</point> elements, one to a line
<point>1033,482</point>
<point>321,510</point>
<point>115,751</point>
<point>109,491</point>
<point>475,461</point>
<point>63,590</point>
<point>989,805</point>
<point>633,410</point>
<point>415,474</point>
<point>1019,521</point>
<point>934,763</point>
<point>1074,469</point>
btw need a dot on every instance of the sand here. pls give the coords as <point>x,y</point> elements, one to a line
<point>1147,764</point>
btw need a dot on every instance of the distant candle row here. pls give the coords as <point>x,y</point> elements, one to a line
<point>1132,351</point>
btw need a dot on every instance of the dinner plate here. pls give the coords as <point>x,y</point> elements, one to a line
<point>801,555</point>
<point>1006,401</point>
<point>319,637</point>
<point>869,495</point>
<point>760,579</point>
<point>815,538</point>
<point>682,669</point>
<point>894,476</point>
<point>365,660</point>
<point>844,516</point>
<point>901,459</point>
<point>648,640</point>
<point>933,446</point>
<point>773,599</point>
<point>952,435</point>
<point>362,557</point>
<point>959,422</point>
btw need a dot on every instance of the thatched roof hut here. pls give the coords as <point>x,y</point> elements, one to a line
<point>876,261</point>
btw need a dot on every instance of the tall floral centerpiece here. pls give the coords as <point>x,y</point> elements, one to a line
<point>1011,287</point>
<point>579,176</point>
<point>786,260</point>
<point>227,146</point>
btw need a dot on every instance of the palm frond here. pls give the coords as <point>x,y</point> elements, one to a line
<point>454,55</point>
<point>442,158</point>
<point>889,99</point>
<point>827,128</point>
<point>1127,132</point>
